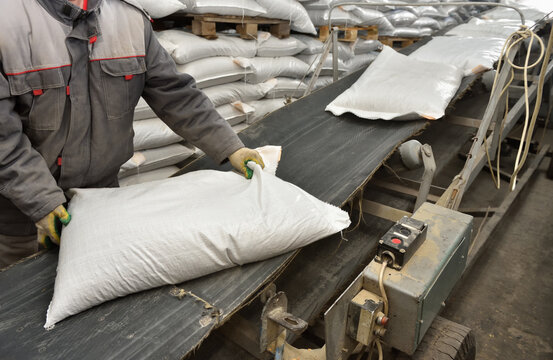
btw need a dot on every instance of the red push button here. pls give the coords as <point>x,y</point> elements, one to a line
<point>396,241</point>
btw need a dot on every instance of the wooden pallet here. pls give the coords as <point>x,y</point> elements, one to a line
<point>246,26</point>
<point>398,42</point>
<point>350,33</point>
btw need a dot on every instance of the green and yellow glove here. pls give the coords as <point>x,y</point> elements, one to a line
<point>49,227</point>
<point>241,157</point>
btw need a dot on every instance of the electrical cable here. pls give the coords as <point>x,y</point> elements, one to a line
<point>379,348</point>
<point>521,159</point>
<point>512,41</point>
<point>381,286</point>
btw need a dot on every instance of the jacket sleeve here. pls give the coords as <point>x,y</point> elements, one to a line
<point>174,98</point>
<point>24,176</point>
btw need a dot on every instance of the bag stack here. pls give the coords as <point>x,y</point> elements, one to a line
<point>157,149</point>
<point>393,21</point>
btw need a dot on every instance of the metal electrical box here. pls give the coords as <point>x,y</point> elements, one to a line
<point>416,293</point>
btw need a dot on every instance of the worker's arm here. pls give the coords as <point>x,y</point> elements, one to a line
<point>174,98</point>
<point>24,176</point>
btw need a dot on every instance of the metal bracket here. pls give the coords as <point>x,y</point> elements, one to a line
<point>427,176</point>
<point>414,155</point>
<point>275,320</point>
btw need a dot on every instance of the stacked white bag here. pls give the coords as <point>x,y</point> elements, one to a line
<point>400,21</point>
<point>351,57</point>
<point>157,149</point>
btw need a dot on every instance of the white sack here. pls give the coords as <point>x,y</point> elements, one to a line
<point>148,160</point>
<point>313,61</point>
<point>124,240</point>
<point>366,46</point>
<point>447,22</point>
<point>370,16</point>
<point>264,107</point>
<point>345,50</point>
<point>396,86</point>
<point>143,111</point>
<point>287,87</point>
<point>472,54</point>
<point>321,82</point>
<point>506,13</point>
<point>425,31</point>
<point>216,70</point>
<point>425,21</point>
<point>149,176</point>
<point>269,46</point>
<point>318,4</point>
<point>421,11</point>
<point>235,113</point>
<point>313,45</point>
<point>360,61</point>
<point>190,47</point>
<point>237,91</point>
<point>265,68</point>
<point>401,18</point>
<point>403,32</point>
<point>339,17</point>
<point>544,6</point>
<point>161,8</point>
<point>167,45</point>
<point>290,10</point>
<point>152,133</point>
<point>224,7</point>
<point>487,28</point>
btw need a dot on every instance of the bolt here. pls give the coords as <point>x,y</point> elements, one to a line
<point>381,241</point>
<point>402,251</point>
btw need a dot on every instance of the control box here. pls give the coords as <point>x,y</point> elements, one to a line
<point>399,244</point>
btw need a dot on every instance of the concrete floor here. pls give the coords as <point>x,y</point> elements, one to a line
<point>507,297</point>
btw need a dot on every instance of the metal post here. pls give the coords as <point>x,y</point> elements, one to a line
<point>334,54</point>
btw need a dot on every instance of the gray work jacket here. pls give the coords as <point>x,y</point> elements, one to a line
<point>69,82</point>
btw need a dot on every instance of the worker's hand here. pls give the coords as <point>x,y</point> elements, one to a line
<point>240,158</point>
<point>49,227</point>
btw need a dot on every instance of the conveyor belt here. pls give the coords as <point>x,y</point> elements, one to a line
<point>327,156</point>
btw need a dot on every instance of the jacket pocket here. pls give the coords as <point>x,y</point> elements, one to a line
<point>123,82</point>
<point>43,92</point>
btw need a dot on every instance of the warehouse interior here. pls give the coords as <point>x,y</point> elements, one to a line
<point>276,179</point>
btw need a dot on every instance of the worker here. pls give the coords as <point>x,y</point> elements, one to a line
<point>71,74</point>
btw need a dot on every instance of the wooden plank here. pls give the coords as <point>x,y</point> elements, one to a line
<point>397,42</point>
<point>237,19</point>
<point>281,30</point>
<point>349,33</point>
<point>205,29</point>
<point>247,31</point>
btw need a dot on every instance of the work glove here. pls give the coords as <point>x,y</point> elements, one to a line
<point>241,157</point>
<point>49,227</point>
